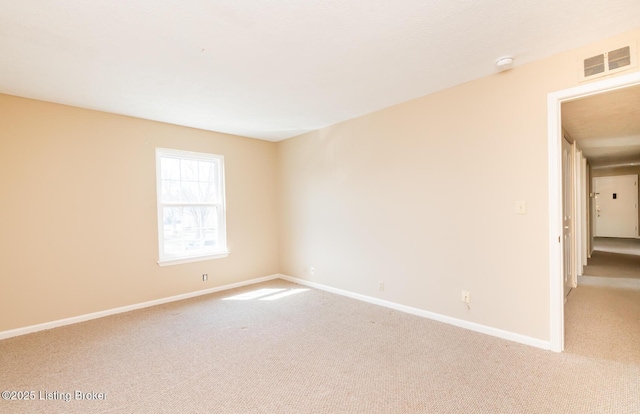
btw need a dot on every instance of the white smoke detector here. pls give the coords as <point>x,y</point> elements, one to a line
<point>504,63</point>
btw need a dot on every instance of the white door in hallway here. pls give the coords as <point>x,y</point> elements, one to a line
<point>567,215</point>
<point>616,202</point>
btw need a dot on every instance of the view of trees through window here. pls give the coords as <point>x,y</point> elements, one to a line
<point>190,198</point>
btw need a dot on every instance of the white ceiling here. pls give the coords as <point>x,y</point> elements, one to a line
<point>606,126</point>
<point>276,69</point>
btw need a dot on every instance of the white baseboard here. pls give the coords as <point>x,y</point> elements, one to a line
<point>476,327</point>
<point>95,315</point>
<point>511,336</point>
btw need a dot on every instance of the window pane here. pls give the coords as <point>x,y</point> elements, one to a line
<point>206,171</point>
<point>189,219</point>
<point>210,237</point>
<point>199,216</point>
<point>172,220</point>
<point>170,168</point>
<point>173,244</point>
<point>190,192</point>
<point>207,193</point>
<point>189,170</point>
<point>183,230</point>
<point>172,229</point>
<point>170,191</point>
<point>190,234</point>
<point>210,218</point>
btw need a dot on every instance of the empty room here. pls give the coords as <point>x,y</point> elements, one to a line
<point>318,207</point>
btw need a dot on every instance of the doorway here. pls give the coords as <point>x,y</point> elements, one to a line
<point>556,218</point>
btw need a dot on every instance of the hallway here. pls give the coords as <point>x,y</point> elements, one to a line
<point>614,263</point>
<point>602,315</point>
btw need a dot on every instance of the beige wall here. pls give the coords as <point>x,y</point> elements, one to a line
<point>422,196</point>
<point>78,230</point>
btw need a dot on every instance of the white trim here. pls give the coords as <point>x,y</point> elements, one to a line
<point>556,325</point>
<point>171,262</point>
<point>95,315</point>
<point>554,101</point>
<point>476,327</point>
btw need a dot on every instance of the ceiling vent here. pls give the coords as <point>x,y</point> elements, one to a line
<point>606,63</point>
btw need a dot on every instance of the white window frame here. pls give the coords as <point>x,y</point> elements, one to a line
<point>216,252</point>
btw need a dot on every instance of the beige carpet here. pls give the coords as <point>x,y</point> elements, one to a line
<point>617,245</point>
<point>603,323</point>
<point>607,264</point>
<point>310,352</point>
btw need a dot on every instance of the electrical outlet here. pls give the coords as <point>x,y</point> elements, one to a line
<point>205,277</point>
<point>466,297</point>
<point>380,286</point>
<point>312,270</point>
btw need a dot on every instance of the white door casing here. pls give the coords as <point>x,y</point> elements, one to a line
<point>616,211</point>
<point>555,137</point>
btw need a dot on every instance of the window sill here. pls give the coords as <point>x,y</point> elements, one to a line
<point>171,262</point>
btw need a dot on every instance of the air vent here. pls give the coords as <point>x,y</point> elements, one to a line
<point>593,66</point>
<point>605,63</point>
<point>619,58</point>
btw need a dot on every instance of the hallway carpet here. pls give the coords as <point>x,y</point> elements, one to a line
<point>606,264</point>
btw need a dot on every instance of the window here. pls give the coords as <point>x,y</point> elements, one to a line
<point>191,208</point>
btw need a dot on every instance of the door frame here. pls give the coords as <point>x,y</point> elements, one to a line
<point>554,119</point>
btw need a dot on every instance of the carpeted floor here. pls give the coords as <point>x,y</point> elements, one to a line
<point>617,245</point>
<point>603,323</point>
<point>306,351</point>
<point>607,264</point>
